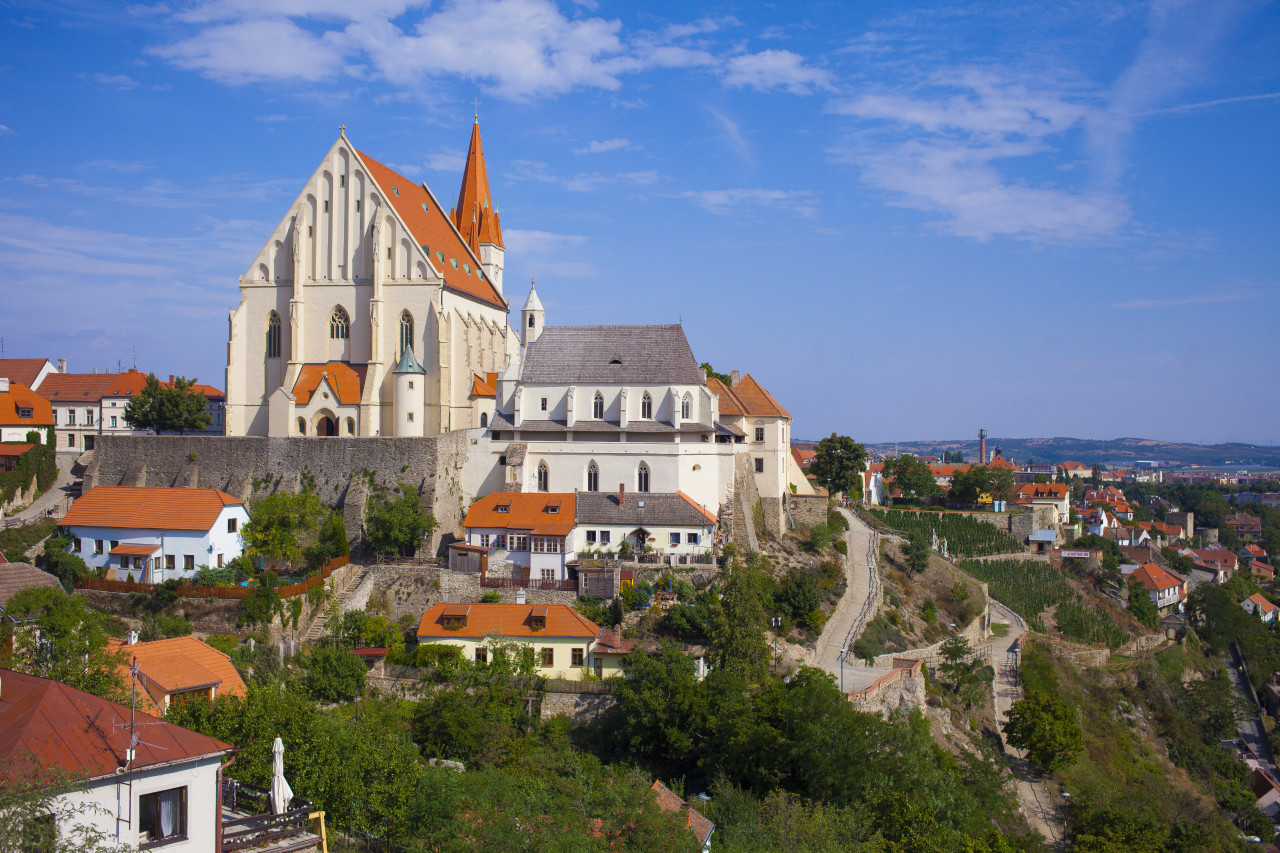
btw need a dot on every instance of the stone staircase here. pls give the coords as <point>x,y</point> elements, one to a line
<point>350,583</point>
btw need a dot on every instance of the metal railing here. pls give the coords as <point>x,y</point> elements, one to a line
<point>261,826</point>
<point>529,583</point>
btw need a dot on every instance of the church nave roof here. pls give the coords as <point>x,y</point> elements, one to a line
<point>612,355</point>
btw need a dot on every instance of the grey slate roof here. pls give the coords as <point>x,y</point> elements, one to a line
<point>661,509</point>
<point>611,355</point>
<point>503,422</point>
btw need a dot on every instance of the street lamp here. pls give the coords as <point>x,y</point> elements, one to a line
<point>842,654</point>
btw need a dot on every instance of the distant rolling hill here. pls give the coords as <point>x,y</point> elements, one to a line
<point>1120,452</point>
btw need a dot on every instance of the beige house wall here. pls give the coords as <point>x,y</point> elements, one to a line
<point>562,649</point>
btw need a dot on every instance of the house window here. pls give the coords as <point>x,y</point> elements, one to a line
<point>189,562</point>
<point>484,540</point>
<point>686,406</point>
<point>406,333</point>
<point>591,537</point>
<point>548,657</point>
<point>576,657</point>
<point>171,561</point>
<point>71,417</point>
<point>549,574</point>
<point>113,421</point>
<point>71,441</point>
<point>99,546</point>
<point>357,205</point>
<point>302,426</point>
<point>519,542</point>
<point>233,525</point>
<point>544,404</point>
<point>482,654</point>
<point>484,419</point>
<point>55,417</point>
<point>273,335</point>
<point>26,413</point>
<point>162,816</point>
<point>675,539</point>
<point>692,539</point>
<point>339,324</point>
<point>544,477</point>
<point>593,478</point>
<point>500,542</point>
<point>88,416</point>
<point>759,433</point>
<point>642,478</point>
<point>342,180</point>
<point>646,406</point>
<point>604,537</point>
<point>114,544</point>
<point>78,546</point>
<point>410,414</point>
<point>759,464</point>
<point>326,205</point>
<point>597,407</point>
<point>530,321</point>
<point>219,561</point>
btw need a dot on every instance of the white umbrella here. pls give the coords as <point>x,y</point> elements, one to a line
<point>281,793</point>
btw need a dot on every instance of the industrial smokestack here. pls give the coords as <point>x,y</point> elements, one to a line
<point>982,447</point>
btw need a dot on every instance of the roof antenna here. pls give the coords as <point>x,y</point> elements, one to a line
<point>135,356</point>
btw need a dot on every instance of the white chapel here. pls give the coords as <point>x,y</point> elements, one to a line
<point>372,310</point>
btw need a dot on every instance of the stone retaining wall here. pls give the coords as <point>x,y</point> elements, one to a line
<point>340,470</point>
<point>578,707</point>
<point>976,632</point>
<point>807,510</point>
<point>746,497</point>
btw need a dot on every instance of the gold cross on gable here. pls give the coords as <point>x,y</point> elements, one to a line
<point>475,102</point>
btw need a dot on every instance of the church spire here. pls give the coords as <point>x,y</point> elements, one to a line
<point>474,216</point>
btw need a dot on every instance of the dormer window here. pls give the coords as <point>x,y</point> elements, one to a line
<point>24,413</point>
<point>504,508</point>
<point>538,618</point>
<point>454,617</point>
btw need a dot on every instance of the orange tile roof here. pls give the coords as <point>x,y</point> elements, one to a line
<point>347,382</point>
<point>74,731</point>
<point>1000,462</point>
<point>432,228</point>
<point>484,386</point>
<point>669,801</point>
<point>77,388</point>
<point>18,398</point>
<point>148,508</point>
<point>1263,604</point>
<point>707,514</point>
<point>183,663</point>
<point>947,470</point>
<point>128,550</point>
<point>1154,577</point>
<point>508,620</point>
<point>1216,556</point>
<point>1052,491</point>
<point>747,398</point>
<point>14,449</point>
<point>24,371</point>
<point>475,217</point>
<point>531,511</point>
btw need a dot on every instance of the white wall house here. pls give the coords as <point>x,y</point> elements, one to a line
<point>1258,605</point>
<point>366,264</point>
<point>167,795</point>
<point>22,411</point>
<point>664,523</point>
<point>155,533</point>
<point>532,530</point>
<point>747,408</point>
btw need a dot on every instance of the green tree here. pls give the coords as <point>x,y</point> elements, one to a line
<point>1046,727</point>
<point>39,816</point>
<point>61,563</point>
<point>263,602</point>
<point>279,524</point>
<point>333,674</point>
<point>331,541</point>
<point>168,407</point>
<point>838,463</point>
<point>912,476</point>
<point>65,641</point>
<point>397,525</point>
<point>1141,606</point>
<point>798,597</point>
<point>917,552</point>
<point>738,623</point>
<point>712,374</point>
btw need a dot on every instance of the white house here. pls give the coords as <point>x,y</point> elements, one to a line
<point>22,411</point>
<point>531,529</point>
<point>665,523</point>
<point>155,533</point>
<point>559,637</point>
<point>1257,605</point>
<point>1165,588</point>
<point>163,790</point>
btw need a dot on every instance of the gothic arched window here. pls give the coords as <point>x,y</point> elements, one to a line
<point>406,333</point>
<point>484,419</point>
<point>544,478</point>
<point>530,321</point>
<point>642,478</point>
<point>273,335</point>
<point>686,406</point>
<point>339,324</point>
<point>646,406</point>
<point>593,478</point>
<point>302,426</point>
<point>597,407</point>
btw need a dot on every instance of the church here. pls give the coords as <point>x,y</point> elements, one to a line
<point>372,310</point>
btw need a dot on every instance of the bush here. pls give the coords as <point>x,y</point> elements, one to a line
<point>842,547</point>
<point>262,603</point>
<point>161,627</point>
<point>929,612</point>
<point>819,536</point>
<point>798,597</point>
<point>397,525</point>
<point>223,642</point>
<point>333,675</point>
<point>491,597</point>
<point>61,563</point>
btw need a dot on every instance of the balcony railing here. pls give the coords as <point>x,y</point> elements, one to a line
<point>528,583</point>
<point>260,826</point>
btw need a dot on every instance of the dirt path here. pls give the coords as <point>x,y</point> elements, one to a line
<point>858,604</point>
<point>1038,800</point>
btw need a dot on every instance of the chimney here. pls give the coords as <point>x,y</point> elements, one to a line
<point>62,365</point>
<point>520,596</point>
<point>4,384</point>
<point>734,378</point>
<point>94,369</point>
<point>622,494</point>
<point>132,639</point>
<point>170,378</point>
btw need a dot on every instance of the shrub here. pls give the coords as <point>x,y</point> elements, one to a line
<point>491,597</point>
<point>223,642</point>
<point>333,675</point>
<point>929,612</point>
<point>842,547</point>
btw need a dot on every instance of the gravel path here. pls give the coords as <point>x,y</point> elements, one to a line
<point>856,606</point>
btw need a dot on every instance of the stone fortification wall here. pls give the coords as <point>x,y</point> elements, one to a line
<point>901,688</point>
<point>341,470</point>
<point>976,632</point>
<point>746,498</point>
<point>807,510</point>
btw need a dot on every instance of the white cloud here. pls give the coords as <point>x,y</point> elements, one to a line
<point>532,170</point>
<point>725,202</point>
<point>123,82</point>
<point>539,242</point>
<point>775,69</point>
<point>279,48</point>
<point>447,160</point>
<point>601,146</point>
<point>5,130</point>
<point>732,134</point>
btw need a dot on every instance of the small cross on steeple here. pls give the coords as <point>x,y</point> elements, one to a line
<point>475,102</point>
<point>342,130</point>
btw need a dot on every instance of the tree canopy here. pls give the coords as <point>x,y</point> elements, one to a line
<point>398,524</point>
<point>912,476</point>
<point>1046,727</point>
<point>66,641</point>
<point>168,407</point>
<point>838,463</point>
<point>279,524</point>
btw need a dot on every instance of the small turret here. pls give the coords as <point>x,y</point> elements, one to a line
<point>409,404</point>
<point>532,317</point>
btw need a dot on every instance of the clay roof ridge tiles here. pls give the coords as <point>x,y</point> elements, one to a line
<point>510,620</point>
<point>148,508</point>
<point>24,371</point>
<point>760,403</point>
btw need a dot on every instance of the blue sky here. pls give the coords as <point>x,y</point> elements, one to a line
<point>908,220</point>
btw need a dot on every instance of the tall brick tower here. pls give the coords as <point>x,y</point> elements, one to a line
<point>982,447</point>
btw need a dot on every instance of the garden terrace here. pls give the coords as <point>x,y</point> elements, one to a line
<point>965,536</point>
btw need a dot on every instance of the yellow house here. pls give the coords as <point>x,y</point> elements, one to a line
<point>560,636</point>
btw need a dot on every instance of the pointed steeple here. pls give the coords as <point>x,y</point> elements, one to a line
<point>474,215</point>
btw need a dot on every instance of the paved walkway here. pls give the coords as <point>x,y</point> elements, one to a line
<point>1035,797</point>
<point>855,607</point>
<point>1247,724</point>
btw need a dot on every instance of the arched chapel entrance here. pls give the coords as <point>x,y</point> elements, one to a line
<point>326,426</point>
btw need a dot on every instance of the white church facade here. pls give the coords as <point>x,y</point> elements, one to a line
<point>366,267</point>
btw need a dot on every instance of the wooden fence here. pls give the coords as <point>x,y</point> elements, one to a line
<point>230,592</point>
<point>525,583</point>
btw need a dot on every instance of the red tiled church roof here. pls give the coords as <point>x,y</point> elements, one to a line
<point>345,380</point>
